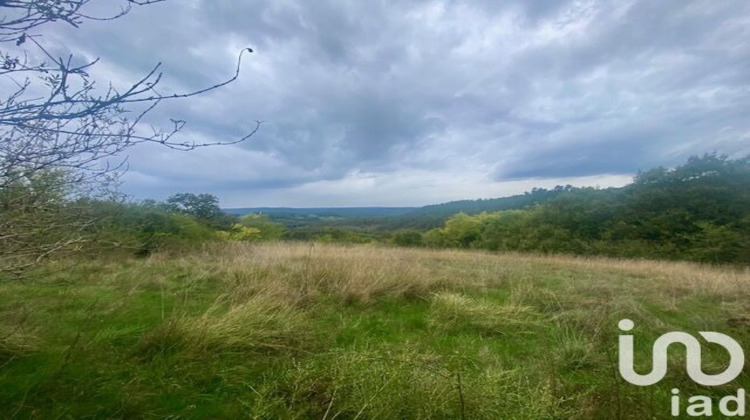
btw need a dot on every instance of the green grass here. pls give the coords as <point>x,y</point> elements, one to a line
<point>293,331</point>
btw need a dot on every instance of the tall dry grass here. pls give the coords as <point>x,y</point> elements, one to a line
<point>578,292</point>
<point>259,324</point>
<point>360,273</point>
<point>300,273</point>
<point>366,331</point>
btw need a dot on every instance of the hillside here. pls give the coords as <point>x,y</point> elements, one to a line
<point>697,211</point>
<point>435,215</point>
<point>333,212</point>
<point>400,217</point>
<point>535,196</point>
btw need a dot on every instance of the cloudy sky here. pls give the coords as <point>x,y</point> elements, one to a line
<point>401,103</point>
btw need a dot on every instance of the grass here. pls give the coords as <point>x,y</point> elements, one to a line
<point>324,331</point>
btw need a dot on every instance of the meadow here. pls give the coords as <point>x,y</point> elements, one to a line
<point>311,330</point>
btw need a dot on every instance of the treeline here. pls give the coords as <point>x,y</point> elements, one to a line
<point>381,222</point>
<point>182,221</point>
<point>436,214</point>
<point>699,211</point>
<point>39,222</point>
<point>187,220</point>
<point>421,218</point>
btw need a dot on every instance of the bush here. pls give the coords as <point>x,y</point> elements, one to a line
<point>266,228</point>
<point>145,228</point>
<point>408,238</point>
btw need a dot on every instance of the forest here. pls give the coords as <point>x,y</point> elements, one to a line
<point>699,211</point>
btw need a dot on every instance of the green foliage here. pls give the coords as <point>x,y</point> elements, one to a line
<point>460,231</point>
<point>146,227</point>
<point>435,215</point>
<point>331,235</point>
<point>203,207</point>
<point>720,243</point>
<point>241,233</point>
<point>435,238</point>
<point>254,227</point>
<point>267,229</point>
<point>408,238</point>
<point>698,211</point>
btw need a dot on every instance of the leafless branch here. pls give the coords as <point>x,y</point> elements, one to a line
<point>63,136</point>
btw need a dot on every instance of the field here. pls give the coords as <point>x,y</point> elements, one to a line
<point>286,330</point>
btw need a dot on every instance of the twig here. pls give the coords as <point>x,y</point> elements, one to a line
<point>461,396</point>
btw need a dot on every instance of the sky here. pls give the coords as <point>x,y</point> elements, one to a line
<point>407,103</point>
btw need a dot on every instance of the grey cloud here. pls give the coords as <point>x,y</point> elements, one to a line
<point>519,89</point>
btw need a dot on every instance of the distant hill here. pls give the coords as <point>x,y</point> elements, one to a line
<point>335,212</point>
<point>435,214</point>
<point>400,217</point>
<point>535,196</point>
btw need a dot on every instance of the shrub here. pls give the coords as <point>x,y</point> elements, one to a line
<point>266,228</point>
<point>408,238</point>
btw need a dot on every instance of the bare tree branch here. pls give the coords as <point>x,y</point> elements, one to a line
<point>62,136</point>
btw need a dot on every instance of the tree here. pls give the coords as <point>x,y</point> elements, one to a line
<point>201,206</point>
<point>56,123</point>
<point>36,221</point>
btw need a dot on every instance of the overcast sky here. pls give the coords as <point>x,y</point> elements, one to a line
<point>401,103</point>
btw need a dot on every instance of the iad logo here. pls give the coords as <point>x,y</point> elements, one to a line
<point>700,405</point>
<point>693,350</point>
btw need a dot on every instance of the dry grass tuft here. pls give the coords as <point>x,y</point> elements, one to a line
<point>299,273</point>
<point>453,311</point>
<point>409,384</point>
<point>16,342</point>
<point>663,276</point>
<point>261,323</point>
